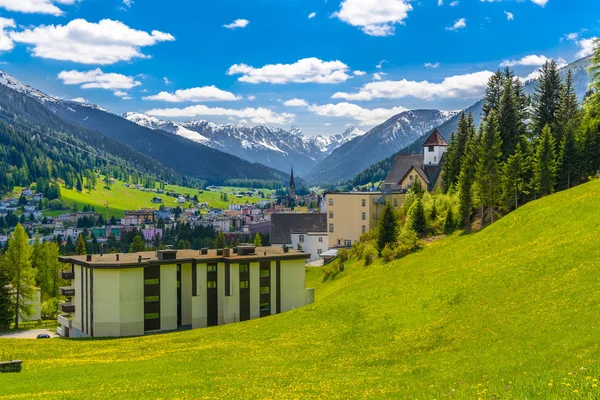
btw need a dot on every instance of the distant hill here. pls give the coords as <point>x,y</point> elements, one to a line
<point>378,143</point>
<point>378,171</point>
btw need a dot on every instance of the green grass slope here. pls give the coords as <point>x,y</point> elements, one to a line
<point>508,312</point>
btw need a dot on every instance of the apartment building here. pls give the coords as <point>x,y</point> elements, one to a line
<point>115,295</point>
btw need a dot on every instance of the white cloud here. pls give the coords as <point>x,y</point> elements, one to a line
<point>96,79</point>
<point>440,2</point>
<point>540,2</point>
<point>326,124</point>
<point>588,46</point>
<point>6,43</point>
<point>459,86</point>
<point>359,73</point>
<point>79,100</point>
<point>251,97</point>
<point>296,103</point>
<point>312,15</point>
<point>307,70</point>
<point>509,16</point>
<point>432,65</point>
<point>361,115</point>
<point>238,23</point>
<point>531,60</point>
<point>35,6</point>
<point>123,95</point>
<point>167,81</point>
<point>256,115</point>
<point>105,42</point>
<point>572,36</point>
<point>380,65</point>
<point>454,4</point>
<point>196,95</point>
<point>128,3</point>
<point>377,76</point>
<point>375,18</point>
<point>458,24</point>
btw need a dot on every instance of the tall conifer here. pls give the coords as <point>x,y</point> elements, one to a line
<point>545,164</point>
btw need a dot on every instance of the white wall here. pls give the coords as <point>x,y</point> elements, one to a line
<point>435,156</point>
<point>199,315</point>
<point>311,244</point>
<point>293,284</point>
<point>168,297</point>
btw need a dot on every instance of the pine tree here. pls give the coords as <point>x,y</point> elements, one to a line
<point>6,300</point>
<point>513,179</point>
<point>138,245</point>
<point>466,180</point>
<point>47,270</point>
<point>508,117</point>
<point>220,241</point>
<point>257,240</point>
<point>453,157</point>
<point>487,176</point>
<point>594,69</point>
<point>80,248</point>
<point>79,187</point>
<point>545,164</point>
<point>388,228</point>
<point>546,97</point>
<point>567,113</point>
<point>449,222</point>
<point>568,161</point>
<point>493,93</point>
<point>417,219</point>
<point>17,263</point>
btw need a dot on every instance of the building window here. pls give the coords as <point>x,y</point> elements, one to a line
<point>431,149</point>
<point>243,267</point>
<point>364,229</point>
<point>244,284</point>
<point>265,290</point>
<point>339,242</point>
<point>331,228</point>
<point>211,268</point>
<point>301,238</point>
<point>149,299</point>
<point>330,214</point>
<point>151,281</point>
<point>211,284</point>
<point>395,202</point>
<point>265,273</point>
<point>320,239</point>
<point>364,216</point>
<point>364,202</point>
<point>330,202</point>
<point>347,243</point>
<point>319,251</point>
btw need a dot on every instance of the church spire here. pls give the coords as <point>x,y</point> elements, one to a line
<point>292,185</point>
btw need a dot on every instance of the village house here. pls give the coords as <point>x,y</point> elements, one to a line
<point>300,231</point>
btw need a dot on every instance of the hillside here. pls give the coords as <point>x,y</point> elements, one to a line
<point>507,312</point>
<point>380,142</point>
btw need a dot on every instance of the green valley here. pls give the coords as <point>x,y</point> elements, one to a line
<point>506,312</point>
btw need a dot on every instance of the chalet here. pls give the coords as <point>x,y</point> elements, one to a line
<point>425,167</point>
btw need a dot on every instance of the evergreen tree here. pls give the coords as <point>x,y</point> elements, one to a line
<point>567,113</point>
<point>466,180</point>
<point>594,69</point>
<point>456,151</point>
<point>493,94</point>
<point>513,179</point>
<point>79,186</point>
<point>257,240</point>
<point>388,228</point>
<point>48,267</point>
<point>220,241</point>
<point>6,300</point>
<point>137,245</point>
<point>487,176</point>
<point>568,161</point>
<point>17,263</point>
<point>80,248</point>
<point>545,164</point>
<point>417,219</point>
<point>508,117</point>
<point>449,222</point>
<point>546,97</point>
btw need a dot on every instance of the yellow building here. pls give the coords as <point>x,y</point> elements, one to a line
<point>351,214</point>
<point>116,295</point>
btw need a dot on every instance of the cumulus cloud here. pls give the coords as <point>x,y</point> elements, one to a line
<point>531,60</point>
<point>377,76</point>
<point>375,18</point>
<point>454,4</point>
<point>362,116</point>
<point>459,86</point>
<point>296,103</point>
<point>380,65</point>
<point>432,65</point>
<point>307,70</point>
<point>166,81</point>
<point>588,46</point>
<point>458,24</point>
<point>196,95</point>
<point>122,94</point>
<point>35,6</point>
<point>359,73</point>
<point>540,2</point>
<point>79,100</point>
<point>572,36</point>
<point>509,16</point>
<point>312,15</point>
<point>80,41</point>
<point>238,23</point>
<point>128,3</point>
<point>256,115</point>
<point>6,43</point>
<point>96,79</point>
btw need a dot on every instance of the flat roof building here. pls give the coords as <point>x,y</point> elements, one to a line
<point>115,295</point>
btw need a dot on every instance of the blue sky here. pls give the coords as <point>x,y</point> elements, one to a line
<point>322,65</point>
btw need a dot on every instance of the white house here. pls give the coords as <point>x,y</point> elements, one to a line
<point>313,243</point>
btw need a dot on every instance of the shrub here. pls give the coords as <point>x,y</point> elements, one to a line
<point>388,253</point>
<point>343,255</point>
<point>370,254</point>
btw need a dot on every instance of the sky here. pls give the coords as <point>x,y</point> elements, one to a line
<point>322,65</point>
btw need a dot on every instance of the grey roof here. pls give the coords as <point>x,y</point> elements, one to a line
<point>435,139</point>
<point>283,225</point>
<point>405,162</point>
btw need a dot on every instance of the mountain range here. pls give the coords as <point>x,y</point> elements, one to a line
<point>274,147</point>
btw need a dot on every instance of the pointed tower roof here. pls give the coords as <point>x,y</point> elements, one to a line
<point>435,139</point>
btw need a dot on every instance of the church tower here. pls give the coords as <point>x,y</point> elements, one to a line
<point>292,185</point>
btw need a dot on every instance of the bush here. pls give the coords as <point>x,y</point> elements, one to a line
<point>408,242</point>
<point>343,255</point>
<point>370,254</point>
<point>388,253</point>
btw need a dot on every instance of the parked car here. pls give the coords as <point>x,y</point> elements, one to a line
<point>43,336</point>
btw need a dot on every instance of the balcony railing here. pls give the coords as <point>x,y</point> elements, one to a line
<point>68,291</point>
<point>67,308</point>
<point>64,320</point>
<point>67,275</point>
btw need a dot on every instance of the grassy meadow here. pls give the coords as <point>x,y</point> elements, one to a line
<point>509,312</point>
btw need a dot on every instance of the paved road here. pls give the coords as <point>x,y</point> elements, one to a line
<point>32,334</point>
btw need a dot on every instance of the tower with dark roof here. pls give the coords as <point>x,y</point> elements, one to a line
<point>434,148</point>
<point>292,185</point>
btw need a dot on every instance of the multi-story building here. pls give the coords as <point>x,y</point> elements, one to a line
<point>115,295</point>
<point>144,214</point>
<point>307,230</point>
